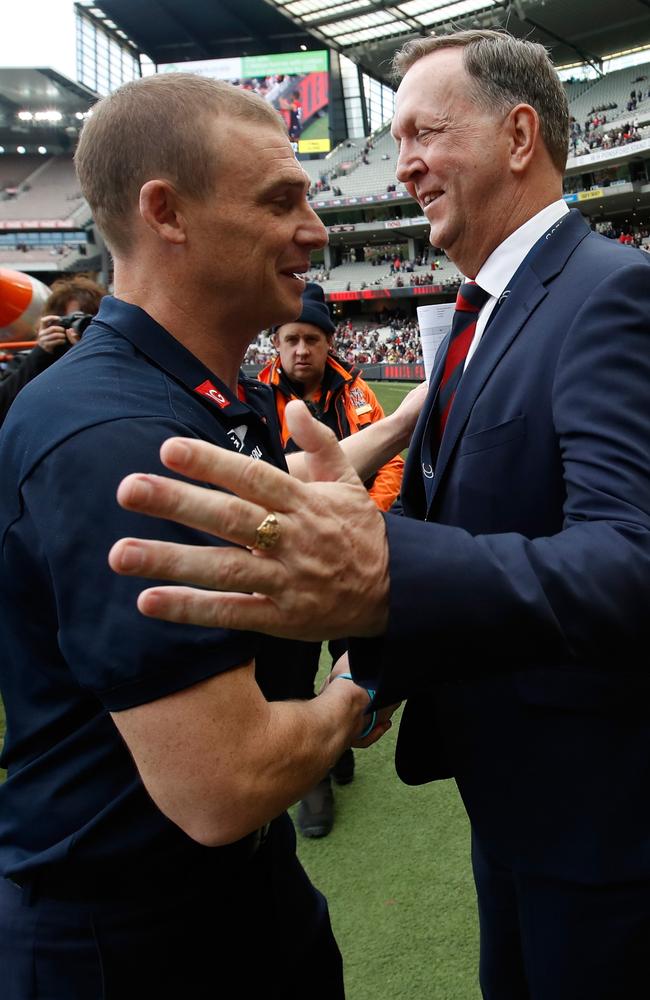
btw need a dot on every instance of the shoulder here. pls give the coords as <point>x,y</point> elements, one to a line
<point>100,381</point>
<point>597,250</point>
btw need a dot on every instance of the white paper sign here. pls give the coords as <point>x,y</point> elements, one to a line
<point>435,323</point>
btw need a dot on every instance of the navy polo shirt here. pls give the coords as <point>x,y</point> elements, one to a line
<point>74,646</point>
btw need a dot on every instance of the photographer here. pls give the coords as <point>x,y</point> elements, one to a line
<point>68,310</point>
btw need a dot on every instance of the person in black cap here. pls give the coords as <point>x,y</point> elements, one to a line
<point>307,368</point>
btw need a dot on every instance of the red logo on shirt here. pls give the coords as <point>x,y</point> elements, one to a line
<point>208,389</point>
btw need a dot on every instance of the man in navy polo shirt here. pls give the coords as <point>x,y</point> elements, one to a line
<point>138,841</point>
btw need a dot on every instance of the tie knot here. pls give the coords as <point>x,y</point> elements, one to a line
<point>471,297</point>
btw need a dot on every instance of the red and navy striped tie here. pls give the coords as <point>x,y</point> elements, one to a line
<point>469,301</point>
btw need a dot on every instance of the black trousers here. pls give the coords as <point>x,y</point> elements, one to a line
<point>257,930</point>
<point>547,939</point>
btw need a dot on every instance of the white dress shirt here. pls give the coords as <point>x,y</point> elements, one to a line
<point>502,263</point>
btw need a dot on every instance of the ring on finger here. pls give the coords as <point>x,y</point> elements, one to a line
<point>267,533</point>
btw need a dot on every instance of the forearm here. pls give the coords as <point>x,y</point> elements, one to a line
<point>301,742</point>
<point>219,760</point>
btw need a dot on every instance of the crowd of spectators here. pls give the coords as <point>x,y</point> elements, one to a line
<point>583,142</point>
<point>634,236</point>
<point>391,339</point>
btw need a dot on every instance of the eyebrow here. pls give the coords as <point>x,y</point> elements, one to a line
<point>282,183</point>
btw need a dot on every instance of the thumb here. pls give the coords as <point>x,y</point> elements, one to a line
<point>324,460</point>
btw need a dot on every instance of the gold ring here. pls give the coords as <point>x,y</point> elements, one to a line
<point>267,533</point>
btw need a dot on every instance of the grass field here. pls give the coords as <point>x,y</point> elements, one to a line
<point>397,875</point>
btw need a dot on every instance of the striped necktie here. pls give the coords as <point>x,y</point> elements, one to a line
<point>469,301</point>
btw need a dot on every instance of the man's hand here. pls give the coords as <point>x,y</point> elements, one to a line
<point>327,576</point>
<point>383,715</point>
<point>50,336</point>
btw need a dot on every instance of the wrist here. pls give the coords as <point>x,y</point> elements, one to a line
<point>370,712</point>
<point>401,430</point>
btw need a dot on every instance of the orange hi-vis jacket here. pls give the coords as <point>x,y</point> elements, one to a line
<point>347,405</point>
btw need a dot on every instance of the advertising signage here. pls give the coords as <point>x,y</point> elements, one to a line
<point>295,83</point>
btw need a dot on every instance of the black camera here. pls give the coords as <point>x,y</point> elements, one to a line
<point>77,321</point>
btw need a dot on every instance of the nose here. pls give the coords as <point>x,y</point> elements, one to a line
<point>311,233</point>
<point>409,162</point>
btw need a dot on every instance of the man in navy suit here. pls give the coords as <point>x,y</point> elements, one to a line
<point>510,605</point>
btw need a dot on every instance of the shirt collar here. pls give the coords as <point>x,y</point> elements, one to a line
<point>502,263</point>
<point>167,353</point>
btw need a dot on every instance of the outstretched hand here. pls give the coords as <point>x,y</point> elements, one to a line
<point>326,577</point>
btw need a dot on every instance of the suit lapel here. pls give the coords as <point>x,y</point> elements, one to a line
<point>526,290</point>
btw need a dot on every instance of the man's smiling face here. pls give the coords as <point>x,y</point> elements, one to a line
<point>453,157</point>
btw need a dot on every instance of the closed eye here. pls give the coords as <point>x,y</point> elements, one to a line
<point>425,133</point>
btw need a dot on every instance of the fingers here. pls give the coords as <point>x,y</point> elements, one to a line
<point>373,736</point>
<point>325,460</point>
<point>51,338</point>
<point>255,481</point>
<point>211,511</point>
<point>247,612</point>
<point>194,565</point>
<point>48,321</point>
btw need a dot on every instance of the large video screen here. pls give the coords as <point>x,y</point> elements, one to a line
<point>295,83</point>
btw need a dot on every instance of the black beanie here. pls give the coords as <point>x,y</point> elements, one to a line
<point>314,309</point>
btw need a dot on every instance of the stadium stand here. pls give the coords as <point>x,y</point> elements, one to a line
<point>363,274</point>
<point>15,169</point>
<point>51,191</point>
<point>371,177</point>
<point>613,89</point>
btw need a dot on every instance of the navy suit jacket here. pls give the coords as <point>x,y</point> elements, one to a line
<point>520,611</point>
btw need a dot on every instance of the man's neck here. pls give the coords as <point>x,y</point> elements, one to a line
<point>524,204</point>
<point>197,329</point>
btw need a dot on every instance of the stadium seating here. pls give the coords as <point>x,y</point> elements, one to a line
<point>378,276</point>
<point>613,88</point>
<point>14,169</point>
<point>371,178</point>
<point>51,191</point>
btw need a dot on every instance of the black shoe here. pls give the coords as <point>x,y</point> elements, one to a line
<point>316,811</point>
<point>343,770</point>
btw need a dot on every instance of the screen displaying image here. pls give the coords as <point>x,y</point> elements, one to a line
<point>295,83</point>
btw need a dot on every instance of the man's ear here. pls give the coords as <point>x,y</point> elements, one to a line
<point>160,209</point>
<point>523,132</point>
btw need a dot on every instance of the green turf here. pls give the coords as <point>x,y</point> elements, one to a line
<point>397,875</point>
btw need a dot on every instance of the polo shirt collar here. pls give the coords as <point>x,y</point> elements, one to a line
<point>167,353</point>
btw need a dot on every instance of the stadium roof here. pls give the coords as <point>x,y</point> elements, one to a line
<point>35,89</point>
<point>369,31</point>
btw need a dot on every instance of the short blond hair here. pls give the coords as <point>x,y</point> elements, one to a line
<point>156,128</point>
<point>505,71</point>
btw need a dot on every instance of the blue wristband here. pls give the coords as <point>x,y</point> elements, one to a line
<point>373,718</point>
